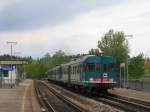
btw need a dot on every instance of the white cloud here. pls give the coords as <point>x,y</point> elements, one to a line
<point>7,3</point>
<point>83,32</point>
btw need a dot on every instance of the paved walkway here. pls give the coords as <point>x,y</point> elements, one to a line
<point>19,99</point>
<point>132,94</point>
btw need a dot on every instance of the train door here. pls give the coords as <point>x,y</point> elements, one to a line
<point>82,76</point>
<point>60,73</point>
<point>69,74</point>
<point>101,69</point>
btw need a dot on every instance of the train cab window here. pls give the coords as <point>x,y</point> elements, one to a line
<point>97,67</point>
<point>109,67</point>
<point>106,68</point>
<point>90,67</point>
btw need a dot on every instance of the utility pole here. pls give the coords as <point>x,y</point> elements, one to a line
<point>16,67</point>
<point>127,83</point>
<point>11,51</point>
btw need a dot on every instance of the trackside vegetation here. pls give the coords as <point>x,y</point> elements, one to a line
<point>38,67</point>
<point>115,44</point>
<point>111,43</point>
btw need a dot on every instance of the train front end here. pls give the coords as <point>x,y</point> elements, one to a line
<point>100,72</point>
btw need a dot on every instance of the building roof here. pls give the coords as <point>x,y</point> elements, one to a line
<point>13,62</point>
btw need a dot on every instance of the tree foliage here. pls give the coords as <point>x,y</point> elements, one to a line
<point>114,44</point>
<point>136,66</point>
<point>94,52</point>
<point>147,65</point>
<point>7,57</point>
<point>38,68</point>
<point>60,58</point>
<point>35,69</point>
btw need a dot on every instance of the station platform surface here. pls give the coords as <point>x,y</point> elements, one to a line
<point>19,99</point>
<point>131,94</point>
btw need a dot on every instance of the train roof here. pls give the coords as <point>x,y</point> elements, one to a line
<point>83,59</point>
<point>79,60</point>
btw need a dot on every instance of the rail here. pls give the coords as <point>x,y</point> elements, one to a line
<point>45,105</point>
<point>62,98</point>
<point>123,104</point>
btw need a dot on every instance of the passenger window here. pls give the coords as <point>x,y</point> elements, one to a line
<point>90,67</point>
<point>73,70</point>
<point>78,69</point>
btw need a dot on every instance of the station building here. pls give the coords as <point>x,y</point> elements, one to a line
<point>9,74</point>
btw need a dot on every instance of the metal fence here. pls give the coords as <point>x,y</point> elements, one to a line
<point>8,83</point>
<point>135,85</point>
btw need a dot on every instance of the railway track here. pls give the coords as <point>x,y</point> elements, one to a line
<point>122,104</point>
<point>108,99</point>
<point>53,102</point>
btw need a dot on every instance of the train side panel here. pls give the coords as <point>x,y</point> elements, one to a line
<point>94,71</point>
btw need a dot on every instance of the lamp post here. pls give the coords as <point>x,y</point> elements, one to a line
<point>11,51</point>
<point>127,77</point>
<point>16,67</point>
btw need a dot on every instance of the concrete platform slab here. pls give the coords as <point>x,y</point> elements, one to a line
<point>131,94</point>
<point>19,99</point>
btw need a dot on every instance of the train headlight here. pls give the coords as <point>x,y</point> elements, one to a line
<point>91,79</point>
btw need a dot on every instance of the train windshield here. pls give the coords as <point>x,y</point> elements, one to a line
<point>110,67</point>
<point>92,67</point>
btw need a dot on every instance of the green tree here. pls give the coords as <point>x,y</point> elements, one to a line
<point>147,65</point>
<point>114,44</point>
<point>60,58</point>
<point>136,67</point>
<point>35,69</point>
<point>94,52</point>
<point>38,68</point>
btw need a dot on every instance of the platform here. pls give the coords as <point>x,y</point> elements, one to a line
<point>19,99</point>
<point>131,94</point>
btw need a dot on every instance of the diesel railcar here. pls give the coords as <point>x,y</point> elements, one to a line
<point>92,72</point>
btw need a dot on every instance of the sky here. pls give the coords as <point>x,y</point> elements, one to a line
<point>74,26</point>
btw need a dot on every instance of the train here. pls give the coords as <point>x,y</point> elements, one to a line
<point>89,72</point>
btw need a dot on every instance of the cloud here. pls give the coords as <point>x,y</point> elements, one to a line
<point>82,32</point>
<point>26,15</point>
